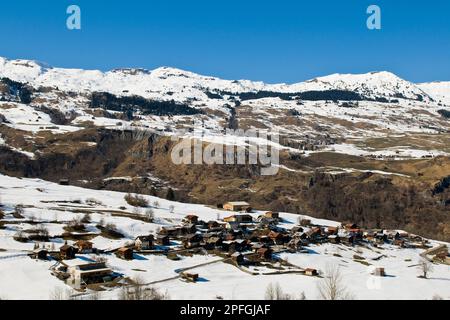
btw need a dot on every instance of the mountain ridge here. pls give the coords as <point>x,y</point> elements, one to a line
<point>139,81</point>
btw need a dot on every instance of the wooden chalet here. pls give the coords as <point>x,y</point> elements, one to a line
<point>277,237</point>
<point>191,218</point>
<point>192,241</point>
<point>237,206</point>
<point>311,272</point>
<point>191,277</point>
<point>162,240</point>
<point>305,222</point>
<point>272,215</point>
<point>350,226</point>
<point>144,242</point>
<point>334,239</point>
<point>296,229</point>
<point>239,218</point>
<point>264,253</point>
<point>67,252</point>
<point>84,246</point>
<point>125,253</point>
<point>40,254</point>
<point>332,230</point>
<point>212,242</point>
<point>237,258</point>
<point>378,271</point>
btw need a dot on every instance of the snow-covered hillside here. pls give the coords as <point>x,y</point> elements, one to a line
<point>52,206</point>
<point>325,115</point>
<point>440,91</point>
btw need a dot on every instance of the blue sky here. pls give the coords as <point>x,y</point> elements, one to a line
<point>273,41</point>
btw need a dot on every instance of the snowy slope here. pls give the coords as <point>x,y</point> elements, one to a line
<point>24,278</point>
<point>373,85</point>
<point>437,90</point>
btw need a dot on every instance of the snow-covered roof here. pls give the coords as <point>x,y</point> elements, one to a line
<point>238,203</point>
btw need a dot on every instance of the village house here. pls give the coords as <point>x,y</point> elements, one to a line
<point>64,182</point>
<point>40,254</point>
<point>390,234</point>
<point>276,237</point>
<point>214,225</point>
<point>190,277</point>
<point>295,244</point>
<point>125,253</point>
<point>272,215</point>
<point>144,242</point>
<point>171,231</point>
<point>305,222</point>
<point>296,229</point>
<point>242,244</point>
<point>237,206</point>
<point>228,246</point>
<point>350,226</point>
<point>229,235</point>
<point>212,242</point>
<point>399,242</point>
<point>264,239</point>
<point>239,218</point>
<point>401,235</point>
<point>331,230</point>
<point>162,240</point>
<point>237,258</point>
<point>314,234</point>
<point>251,236</point>
<point>192,218</point>
<point>84,246</point>
<point>264,253</point>
<point>311,272</point>
<point>67,252</point>
<point>188,229</point>
<point>266,222</point>
<point>192,241</point>
<point>378,271</point>
<point>233,225</point>
<point>334,239</point>
<point>349,239</point>
<point>85,271</point>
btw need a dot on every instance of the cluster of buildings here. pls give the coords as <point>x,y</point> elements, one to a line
<point>240,237</point>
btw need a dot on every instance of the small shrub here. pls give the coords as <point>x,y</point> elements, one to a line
<point>40,233</point>
<point>20,237</point>
<point>149,215</point>
<point>136,200</point>
<point>110,231</point>
<point>86,218</point>
<point>274,292</point>
<point>75,225</point>
<point>18,212</point>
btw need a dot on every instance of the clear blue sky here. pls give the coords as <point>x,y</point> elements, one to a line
<point>273,41</point>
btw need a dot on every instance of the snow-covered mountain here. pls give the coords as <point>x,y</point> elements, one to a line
<point>321,111</point>
<point>373,85</point>
<point>183,84</point>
